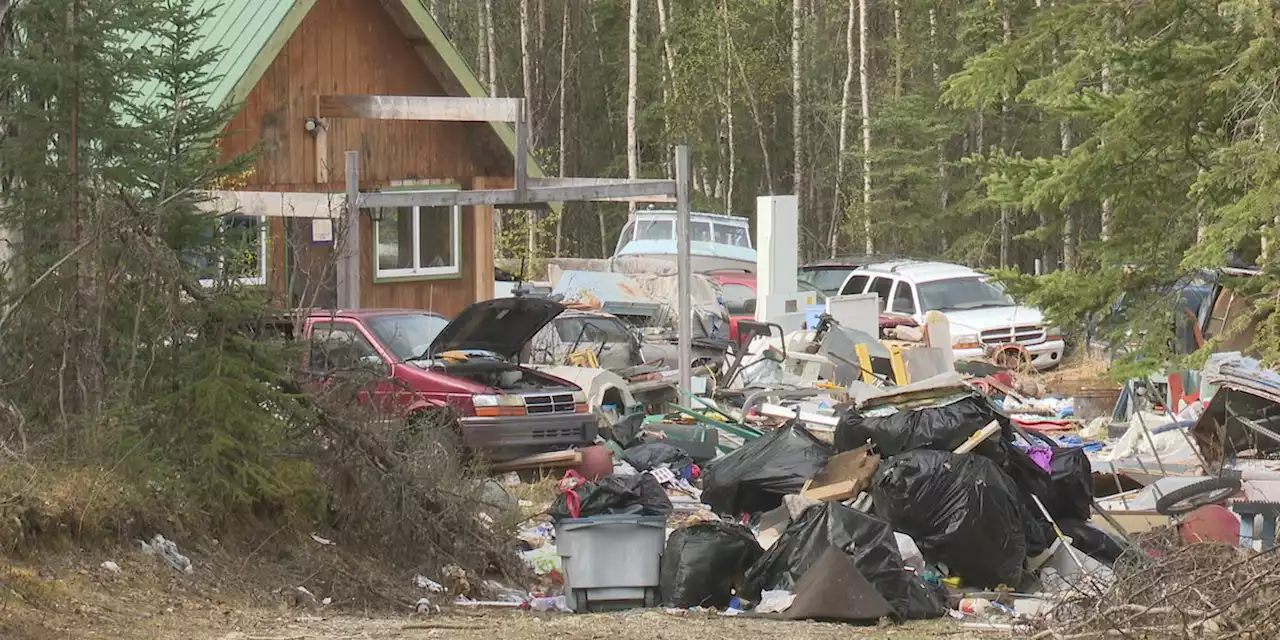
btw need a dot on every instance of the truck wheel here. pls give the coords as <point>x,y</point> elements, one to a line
<point>1193,496</point>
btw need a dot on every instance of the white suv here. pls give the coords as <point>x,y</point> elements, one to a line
<point>982,315</point>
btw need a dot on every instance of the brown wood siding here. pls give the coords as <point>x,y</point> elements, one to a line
<point>355,47</point>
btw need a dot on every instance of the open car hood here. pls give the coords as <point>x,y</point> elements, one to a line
<point>503,326</point>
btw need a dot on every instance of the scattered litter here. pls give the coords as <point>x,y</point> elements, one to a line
<point>544,560</point>
<point>424,606</point>
<point>111,566</point>
<point>167,550</point>
<point>775,601</point>
<point>323,541</point>
<point>422,582</point>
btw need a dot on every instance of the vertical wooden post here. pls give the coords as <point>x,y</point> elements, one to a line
<point>522,151</point>
<point>685,267</point>
<point>348,246</point>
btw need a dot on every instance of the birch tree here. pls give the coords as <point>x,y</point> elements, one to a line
<point>864,87</point>
<point>633,143</point>
<point>562,121</point>
<point>797,101</point>
<point>846,96</point>
<point>526,67</point>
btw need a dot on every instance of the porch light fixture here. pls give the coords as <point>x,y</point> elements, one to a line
<point>314,126</point>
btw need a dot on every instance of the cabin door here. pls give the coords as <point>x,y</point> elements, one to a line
<point>311,269</point>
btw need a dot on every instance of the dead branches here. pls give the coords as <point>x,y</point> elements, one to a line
<point>1177,590</point>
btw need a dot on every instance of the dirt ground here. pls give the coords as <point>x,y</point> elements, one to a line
<point>71,596</point>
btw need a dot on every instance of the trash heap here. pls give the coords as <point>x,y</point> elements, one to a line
<point>917,507</point>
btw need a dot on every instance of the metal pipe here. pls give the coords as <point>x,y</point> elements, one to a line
<point>685,266</point>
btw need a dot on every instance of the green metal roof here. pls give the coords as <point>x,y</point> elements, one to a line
<point>242,30</point>
<point>251,33</point>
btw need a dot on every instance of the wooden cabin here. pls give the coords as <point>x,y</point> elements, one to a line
<point>278,58</point>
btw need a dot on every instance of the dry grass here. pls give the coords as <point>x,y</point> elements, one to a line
<point>1078,370</point>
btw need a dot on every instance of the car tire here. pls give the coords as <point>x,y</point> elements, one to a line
<point>1193,496</point>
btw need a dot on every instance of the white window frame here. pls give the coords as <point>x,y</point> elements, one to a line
<point>417,270</point>
<point>261,278</point>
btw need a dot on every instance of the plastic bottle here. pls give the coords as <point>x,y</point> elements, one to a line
<point>974,606</point>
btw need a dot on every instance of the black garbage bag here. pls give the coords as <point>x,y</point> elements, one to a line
<point>1069,494</point>
<point>1070,485</point>
<point>961,509</point>
<point>703,563</point>
<point>868,540</point>
<point>652,455</point>
<point>941,427</point>
<point>1094,542</point>
<point>928,600</point>
<point>1030,479</point>
<point>756,477</point>
<point>640,494</point>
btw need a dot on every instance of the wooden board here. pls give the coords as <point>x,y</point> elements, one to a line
<point>419,108</point>
<point>844,476</point>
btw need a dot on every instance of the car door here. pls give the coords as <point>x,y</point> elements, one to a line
<point>903,300</point>
<point>341,355</point>
<point>856,284</point>
<point>882,286</point>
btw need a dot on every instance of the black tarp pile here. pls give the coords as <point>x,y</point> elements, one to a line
<point>841,563</point>
<point>868,542</point>
<point>973,512</point>
<point>754,478</point>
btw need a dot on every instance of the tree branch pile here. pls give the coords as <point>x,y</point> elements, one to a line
<point>1165,588</point>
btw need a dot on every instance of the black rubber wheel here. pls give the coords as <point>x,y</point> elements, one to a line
<point>1194,496</point>
<point>580,604</point>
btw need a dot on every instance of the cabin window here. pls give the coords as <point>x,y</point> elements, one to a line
<point>731,235</point>
<point>235,250</point>
<point>418,241</point>
<point>655,230</point>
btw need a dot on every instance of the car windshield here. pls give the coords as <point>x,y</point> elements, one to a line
<point>407,336</point>
<point>826,280</point>
<point>587,329</point>
<point>959,294</point>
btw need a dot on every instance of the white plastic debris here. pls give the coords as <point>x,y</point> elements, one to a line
<point>775,601</point>
<point>327,601</point>
<point>422,582</point>
<point>324,541</point>
<point>911,555</point>
<point>167,550</point>
<point>111,566</point>
<point>542,560</point>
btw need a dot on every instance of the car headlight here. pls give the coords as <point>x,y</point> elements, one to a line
<point>580,402</point>
<point>497,401</point>
<point>484,401</point>
<point>965,341</point>
<point>1054,333</point>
